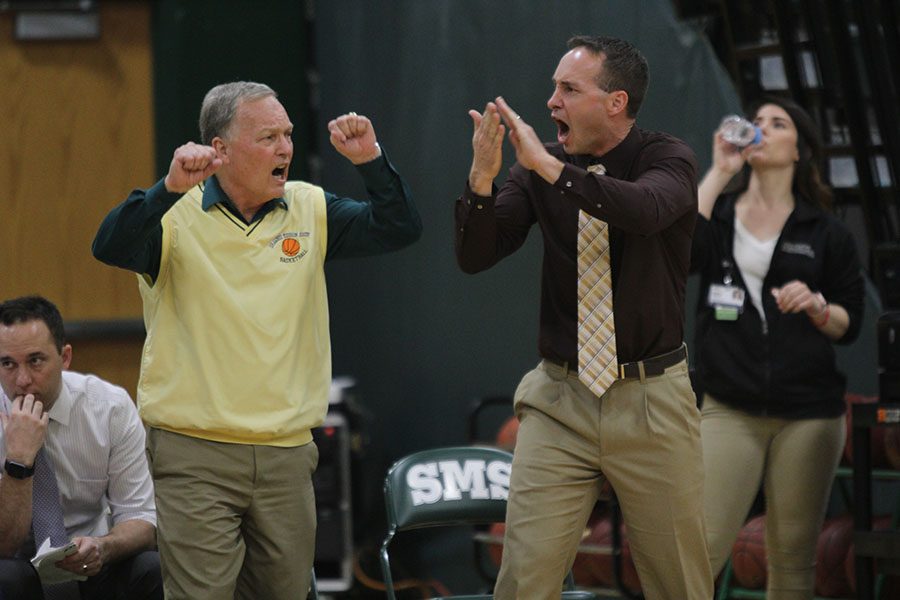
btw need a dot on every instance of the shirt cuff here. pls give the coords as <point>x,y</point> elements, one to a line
<point>473,202</point>
<point>570,178</point>
<point>577,181</point>
<point>136,515</point>
<point>159,193</point>
<point>379,172</point>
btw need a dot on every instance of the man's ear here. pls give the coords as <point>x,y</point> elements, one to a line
<point>66,356</point>
<point>618,102</point>
<point>221,148</point>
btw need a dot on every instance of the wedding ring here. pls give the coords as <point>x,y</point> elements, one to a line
<point>84,567</point>
<point>352,114</point>
<point>518,116</point>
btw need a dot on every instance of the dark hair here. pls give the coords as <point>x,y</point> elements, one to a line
<point>34,308</point>
<point>624,67</point>
<point>807,184</point>
<point>221,103</point>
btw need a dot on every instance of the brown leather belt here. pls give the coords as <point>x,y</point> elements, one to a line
<point>655,365</point>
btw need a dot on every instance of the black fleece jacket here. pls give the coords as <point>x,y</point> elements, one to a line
<point>781,366</point>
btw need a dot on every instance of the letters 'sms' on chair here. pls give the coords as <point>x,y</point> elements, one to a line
<point>449,486</point>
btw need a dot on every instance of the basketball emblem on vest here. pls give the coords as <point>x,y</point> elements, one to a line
<point>291,245</point>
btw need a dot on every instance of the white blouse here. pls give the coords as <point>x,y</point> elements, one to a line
<point>752,257</point>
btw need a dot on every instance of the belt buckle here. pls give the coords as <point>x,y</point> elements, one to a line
<point>622,370</point>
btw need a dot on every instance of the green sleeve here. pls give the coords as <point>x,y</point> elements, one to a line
<point>387,221</point>
<point>130,236</point>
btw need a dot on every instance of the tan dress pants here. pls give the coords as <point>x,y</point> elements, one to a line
<point>795,460</point>
<point>235,521</point>
<point>643,435</point>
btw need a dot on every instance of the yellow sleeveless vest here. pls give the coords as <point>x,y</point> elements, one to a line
<point>238,347</point>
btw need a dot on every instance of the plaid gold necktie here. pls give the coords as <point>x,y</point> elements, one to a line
<point>597,363</point>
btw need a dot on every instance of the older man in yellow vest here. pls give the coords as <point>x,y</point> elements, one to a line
<point>237,362</point>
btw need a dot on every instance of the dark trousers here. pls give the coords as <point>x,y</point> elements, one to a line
<point>135,578</point>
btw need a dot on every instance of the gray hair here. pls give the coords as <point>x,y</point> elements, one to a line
<point>221,103</point>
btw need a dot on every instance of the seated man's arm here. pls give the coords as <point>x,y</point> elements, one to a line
<point>129,493</point>
<point>15,514</point>
<point>24,429</point>
<point>123,540</point>
<point>127,539</point>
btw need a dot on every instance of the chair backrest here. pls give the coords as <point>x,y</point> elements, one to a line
<point>444,486</point>
<point>313,587</point>
<point>455,485</point>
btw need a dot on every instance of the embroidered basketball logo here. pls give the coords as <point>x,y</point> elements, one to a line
<point>290,247</point>
<point>293,245</point>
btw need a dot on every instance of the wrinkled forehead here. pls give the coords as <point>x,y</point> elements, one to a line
<point>260,113</point>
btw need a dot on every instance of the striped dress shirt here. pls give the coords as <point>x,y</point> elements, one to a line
<point>96,441</point>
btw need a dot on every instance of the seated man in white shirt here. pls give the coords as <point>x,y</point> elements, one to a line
<point>92,435</point>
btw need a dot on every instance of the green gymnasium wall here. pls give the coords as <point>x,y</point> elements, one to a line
<point>200,43</point>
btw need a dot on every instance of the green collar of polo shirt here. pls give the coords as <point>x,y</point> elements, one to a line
<point>213,194</point>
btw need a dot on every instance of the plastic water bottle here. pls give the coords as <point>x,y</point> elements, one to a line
<point>739,131</point>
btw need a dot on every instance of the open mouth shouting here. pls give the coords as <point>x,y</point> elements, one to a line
<point>280,173</point>
<point>562,130</point>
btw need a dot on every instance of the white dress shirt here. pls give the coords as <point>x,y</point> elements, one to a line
<point>96,442</point>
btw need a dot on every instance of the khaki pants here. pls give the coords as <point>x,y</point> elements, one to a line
<point>234,520</point>
<point>643,436</point>
<point>796,461</point>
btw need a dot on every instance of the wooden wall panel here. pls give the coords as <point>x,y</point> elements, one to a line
<point>76,136</point>
<point>117,360</point>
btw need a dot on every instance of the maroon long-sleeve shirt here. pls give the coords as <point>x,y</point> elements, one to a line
<point>649,198</point>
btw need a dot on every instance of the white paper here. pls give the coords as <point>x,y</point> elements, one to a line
<point>45,560</point>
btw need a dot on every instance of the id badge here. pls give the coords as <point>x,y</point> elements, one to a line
<point>727,300</point>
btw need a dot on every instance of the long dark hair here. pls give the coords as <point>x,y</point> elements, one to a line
<point>807,184</point>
